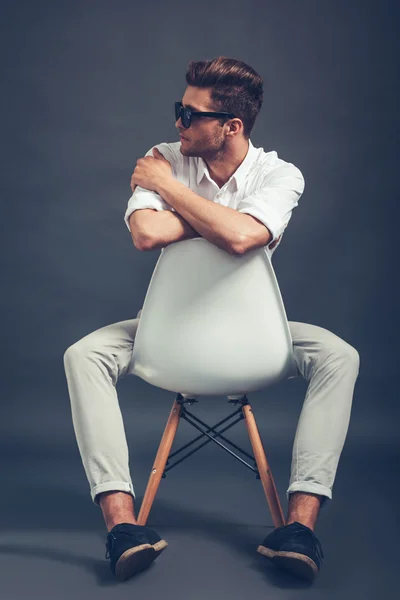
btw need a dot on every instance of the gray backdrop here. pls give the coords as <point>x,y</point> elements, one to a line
<point>87,88</point>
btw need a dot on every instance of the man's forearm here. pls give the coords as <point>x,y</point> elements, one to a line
<point>220,225</point>
<point>166,227</point>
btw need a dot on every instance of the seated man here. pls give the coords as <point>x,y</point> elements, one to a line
<point>213,183</point>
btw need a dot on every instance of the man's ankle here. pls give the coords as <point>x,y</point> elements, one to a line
<point>117,507</point>
<point>310,524</point>
<point>113,523</point>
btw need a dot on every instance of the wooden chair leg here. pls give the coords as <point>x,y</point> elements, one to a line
<point>263,467</point>
<point>159,463</point>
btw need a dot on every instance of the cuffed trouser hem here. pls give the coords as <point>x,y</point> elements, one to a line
<point>312,488</point>
<point>111,486</point>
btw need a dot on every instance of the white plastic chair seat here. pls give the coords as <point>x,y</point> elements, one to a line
<point>212,323</point>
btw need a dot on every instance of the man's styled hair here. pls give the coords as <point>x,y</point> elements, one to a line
<point>235,87</point>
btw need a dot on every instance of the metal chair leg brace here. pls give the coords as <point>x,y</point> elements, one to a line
<point>163,456</point>
<point>189,417</point>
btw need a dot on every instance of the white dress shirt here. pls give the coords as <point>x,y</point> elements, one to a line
<point>263,186</point>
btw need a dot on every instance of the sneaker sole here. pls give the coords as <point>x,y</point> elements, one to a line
<point>137,559</point>
<point>298,564</point>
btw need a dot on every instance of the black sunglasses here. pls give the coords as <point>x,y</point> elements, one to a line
<point>185,114</point>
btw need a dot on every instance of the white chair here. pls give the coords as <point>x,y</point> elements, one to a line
<point>212,323</point>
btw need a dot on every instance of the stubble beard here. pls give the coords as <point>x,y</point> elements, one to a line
<point>212,153</point>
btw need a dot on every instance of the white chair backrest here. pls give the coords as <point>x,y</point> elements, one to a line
<point>212,323</point>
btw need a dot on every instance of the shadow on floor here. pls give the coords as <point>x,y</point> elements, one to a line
<point>46,509</point>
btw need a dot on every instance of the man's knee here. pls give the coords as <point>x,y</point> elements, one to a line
<point>345,353</point>
<point>354,357</point>
<point>76,352</point>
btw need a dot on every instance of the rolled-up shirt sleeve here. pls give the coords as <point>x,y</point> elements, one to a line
<point>277,196</point>
<point>142,198</point>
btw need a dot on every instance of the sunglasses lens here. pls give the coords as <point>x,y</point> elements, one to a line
<point>186,118</point>
<point>183,113</point>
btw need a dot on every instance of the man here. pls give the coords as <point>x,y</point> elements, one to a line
<point>214,184</point>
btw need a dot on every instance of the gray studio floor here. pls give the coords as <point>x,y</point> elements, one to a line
<point>213,514</point>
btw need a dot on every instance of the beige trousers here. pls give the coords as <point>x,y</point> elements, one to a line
<point>94,364</point>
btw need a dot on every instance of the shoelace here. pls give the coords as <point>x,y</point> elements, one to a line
<point>110,545</point>
<point>316,544</point>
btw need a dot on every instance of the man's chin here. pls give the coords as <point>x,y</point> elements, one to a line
<point>183,150</point>
<point>187,151</point>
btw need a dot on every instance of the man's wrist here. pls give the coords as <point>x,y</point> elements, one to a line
<point>163,185</point>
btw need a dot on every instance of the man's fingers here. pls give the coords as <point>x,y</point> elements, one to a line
<point>157,154</point>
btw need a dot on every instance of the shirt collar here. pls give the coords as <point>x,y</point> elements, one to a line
<point>241,172</point>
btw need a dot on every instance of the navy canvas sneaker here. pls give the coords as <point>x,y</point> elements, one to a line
<point>294,548</point>
<point>132,548</point>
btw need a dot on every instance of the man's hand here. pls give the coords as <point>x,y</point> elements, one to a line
<point>151,171</point>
